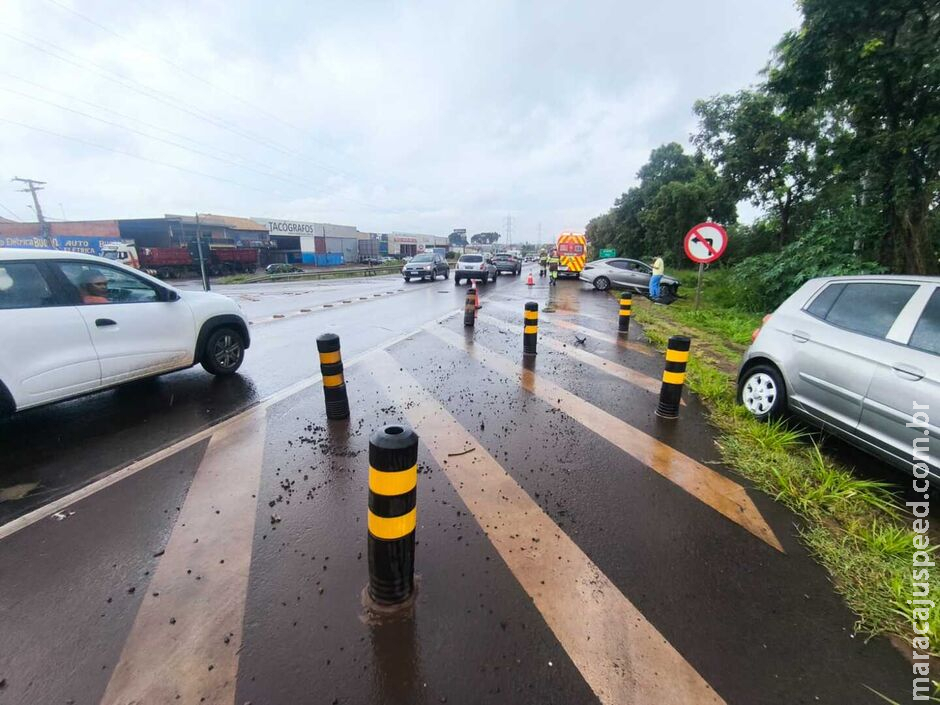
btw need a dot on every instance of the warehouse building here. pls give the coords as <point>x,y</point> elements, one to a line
<point>318,244</point>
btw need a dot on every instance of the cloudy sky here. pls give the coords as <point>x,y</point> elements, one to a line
<point>419,116</point>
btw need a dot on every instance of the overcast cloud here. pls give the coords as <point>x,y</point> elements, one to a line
<point>414,116</point>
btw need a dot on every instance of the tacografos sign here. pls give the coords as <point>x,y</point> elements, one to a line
<point>292,227</point>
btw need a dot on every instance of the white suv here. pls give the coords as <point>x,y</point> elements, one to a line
<point>73,324</point>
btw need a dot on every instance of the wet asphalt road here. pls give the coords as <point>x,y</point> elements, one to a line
<point>232,569</point>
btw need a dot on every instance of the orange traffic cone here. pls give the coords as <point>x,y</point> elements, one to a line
<point>476,295</point>
<point>530,281</point>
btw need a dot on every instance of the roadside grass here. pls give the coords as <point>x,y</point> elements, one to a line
<point>856,528</point>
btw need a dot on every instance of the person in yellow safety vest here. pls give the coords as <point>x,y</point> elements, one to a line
<point>659,269</point>
<point>553,262</point>
<point>543,262</point>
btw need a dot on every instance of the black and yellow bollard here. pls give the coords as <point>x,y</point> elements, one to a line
<point>393,487</point>
<point>530,331</point>
<point>470,308</point>
<point>626,310</point>
<point>334,383</point>
<point>677,357</point>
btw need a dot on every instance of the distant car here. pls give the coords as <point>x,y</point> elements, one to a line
<point>628,274</point>
<point>73,324</point>
<point>507,263</point>
<point>528,258</point>
<point>475,267</point>
<point>370,260</point>
<point>281,268</point>
<point>856,356</point>
<point>426,266</point>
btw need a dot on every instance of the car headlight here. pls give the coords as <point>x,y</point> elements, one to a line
<point>428,267</point>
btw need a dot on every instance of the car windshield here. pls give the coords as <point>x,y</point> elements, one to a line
<point>423,258</point>
<point>472,258</point>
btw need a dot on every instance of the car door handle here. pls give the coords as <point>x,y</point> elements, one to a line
<point>800,337</point>
<point>102,322</point>
<point>907,372</point>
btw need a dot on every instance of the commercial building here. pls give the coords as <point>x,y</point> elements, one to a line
<point>75,236</point>
<point>278,240</point>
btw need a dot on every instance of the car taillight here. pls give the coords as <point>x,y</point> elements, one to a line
<point>758,329</point>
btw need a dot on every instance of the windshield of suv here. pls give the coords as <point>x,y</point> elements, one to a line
<point>423,258</point>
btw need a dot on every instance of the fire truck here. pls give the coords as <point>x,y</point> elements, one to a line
<point>572,251</point>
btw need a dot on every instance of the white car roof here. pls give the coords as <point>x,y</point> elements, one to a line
<point>18,253</point>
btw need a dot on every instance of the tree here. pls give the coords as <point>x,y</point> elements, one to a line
<point>457,239</point>
<point>484,238</point>
<point>764,152</point>
<point>676,191</point>
<point>874,68</point>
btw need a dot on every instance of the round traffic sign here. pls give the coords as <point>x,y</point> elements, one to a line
<point>706,242</point>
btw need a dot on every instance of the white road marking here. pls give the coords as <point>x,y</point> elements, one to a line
<point>621,655</point>
<point>184,642</point>
<point>721,493</point>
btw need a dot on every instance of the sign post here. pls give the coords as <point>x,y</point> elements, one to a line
<point>607,253</point>
<point>704,243</point>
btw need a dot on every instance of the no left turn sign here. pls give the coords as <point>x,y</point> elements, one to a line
<point>706,242</point>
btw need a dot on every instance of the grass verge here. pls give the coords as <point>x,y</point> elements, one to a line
<point>307,275</point>
<point>856,528</point>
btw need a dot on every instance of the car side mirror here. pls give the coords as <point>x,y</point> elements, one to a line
<point>170,295</point>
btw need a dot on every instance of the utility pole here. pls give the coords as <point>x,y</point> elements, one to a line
<point>509,229</point>
<point>202,261</point>
<point>32,186</point>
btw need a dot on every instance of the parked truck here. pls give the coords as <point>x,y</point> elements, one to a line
<point>176,262</point>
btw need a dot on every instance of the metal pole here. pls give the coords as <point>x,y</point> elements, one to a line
<point>698,289</point>
<point>202,261</point>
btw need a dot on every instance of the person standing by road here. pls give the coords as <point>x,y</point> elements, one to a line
<point>543,262</point>
<point>659,269</point>
<point>553,262</point>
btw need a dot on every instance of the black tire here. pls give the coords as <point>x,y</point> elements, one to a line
<point>7,407</point>
<point>602,283</point>
<point>407,279</point>
<point>456,280</point>
<point>224,351</point>
<point>447,273</point>
<point>762,392</point>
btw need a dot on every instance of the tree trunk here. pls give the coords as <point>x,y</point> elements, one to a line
<point>913,251</point>
<point>783,237</point>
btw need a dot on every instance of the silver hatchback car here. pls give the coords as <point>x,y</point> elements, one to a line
<point>858,357</point>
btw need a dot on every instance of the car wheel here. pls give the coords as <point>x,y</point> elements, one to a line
<point>762,392</point>
<point>602,283</point>
<point>447,273</point>
<point>407,279</point>
<point>224,351</point>
<point>456,280</point>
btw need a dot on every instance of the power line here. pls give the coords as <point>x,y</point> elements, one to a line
<point>15,216</point>
<point>294,181</point>
<point>33,187</point>
<point>233,159</point>
<point>159,96</point>
<point>182,69</point>
<point>154,137</point>
<point>129,154</point>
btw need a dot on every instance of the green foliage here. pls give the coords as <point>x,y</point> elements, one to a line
<point>764,152</point>
<point>826,249</point>
<point>457,239</point>
<point>873,68</point>
<point>676,191</point>
<point>484,238</point>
